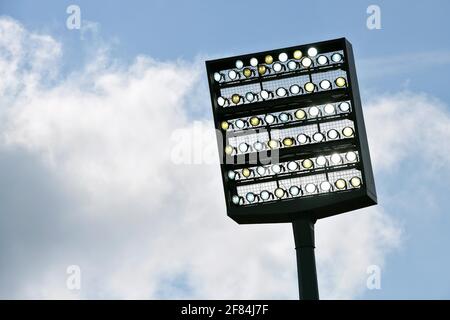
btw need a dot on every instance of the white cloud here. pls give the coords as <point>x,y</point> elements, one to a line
<point>348,244</point>
<point>408,127</point>
<point>141,226</point>
<point>25,58</point>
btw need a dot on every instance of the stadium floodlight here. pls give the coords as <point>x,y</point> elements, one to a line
<point>292,140</point>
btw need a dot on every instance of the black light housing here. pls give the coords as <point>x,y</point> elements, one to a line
<point>274,197</point>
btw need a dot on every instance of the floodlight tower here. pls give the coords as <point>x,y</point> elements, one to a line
<point>292,140</point>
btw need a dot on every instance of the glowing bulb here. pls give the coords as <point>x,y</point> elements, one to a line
<point>224,125</point>
<point>269,119</point>
<point>325,186</point>
<point>253,62</point>
<point>283,117</point>
<point>355,182</point>
<point>302,138</point>
<point>265,94</point>
<point>300,114</point>
<point>344,106</point>
<point>262,69</point>
<point>314,111</point>
<point>246,172</point>
<point>347,132</point>
<point>351,156</point>
<point>309,87</point>
<point>292,166</point>
<point>294,191</point>
<point>281,92</point>
<point>239,64</point>
<point>336,158</point>
<point>229,150</point>
<point>292,65</point>
<point>329,108</point>
<point>333,134</point>
<point>310,188</point>
<point>240,124</point>
<point>321,161</point>
<point>325,84</point>
<point>255,121</point>
<point>221,101</point>
<point>288,142</point>
<point>231,175</point>
<point>306,62</point>
<point>307,164</point>
<point>248,72</point>
<point>250,96</point>
<point>283,57</point>
<point>318,137</point>
<point>312,52</point>
<point>261,171</point>
<point>273,144</point>
<point>232,74</point>
<point>279,193</point>
<point>297,54</point>
<point>235,98</point>
<point>295,89</point>
<point>340,82</point>
<point>322,60</point>
<point>276,168</point>
<point>217,76</point>
<point>340,184</point>
<point>243,147</point>
<point>250,197</point>
<point>277,67</point>
<point>268,59</point>
<point>236,200</point>
<point>336,57</point>
<point>265,195</point>
<point>258,146</point>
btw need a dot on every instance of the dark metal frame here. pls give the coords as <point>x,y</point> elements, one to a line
<point>310,207</point>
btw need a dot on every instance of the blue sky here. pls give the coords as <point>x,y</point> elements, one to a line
<point>186,29</point>
<point>410,55</point>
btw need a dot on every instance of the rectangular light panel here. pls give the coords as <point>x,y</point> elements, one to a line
<point>291,133</point>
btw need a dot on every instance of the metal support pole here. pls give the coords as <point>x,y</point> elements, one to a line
<point>306,261</point>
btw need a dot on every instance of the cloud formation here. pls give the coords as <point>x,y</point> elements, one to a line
<point>408,127</point>
<point>89,179</point>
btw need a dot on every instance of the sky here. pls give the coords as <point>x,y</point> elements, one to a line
<point>91,118</point>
